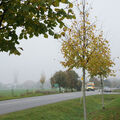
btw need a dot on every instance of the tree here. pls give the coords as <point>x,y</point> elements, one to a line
<point>66,79</point>
<point>42,80</point>
<point>79,85</point>
<point>71,79</point>
<point>58,78</point>
<point>30,18</point>
<point>80,43</point>
<point>101,64</point>
<point>52,81</point>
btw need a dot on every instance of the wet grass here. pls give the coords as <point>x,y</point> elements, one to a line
<point>72,110</point>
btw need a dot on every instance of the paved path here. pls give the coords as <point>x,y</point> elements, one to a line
<point>8,106</point>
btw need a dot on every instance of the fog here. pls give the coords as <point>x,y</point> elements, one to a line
<point>44,55</point>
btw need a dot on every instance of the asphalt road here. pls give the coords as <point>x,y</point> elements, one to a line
<point>8,106</point>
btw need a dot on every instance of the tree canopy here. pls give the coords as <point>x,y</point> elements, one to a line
<point>101,63</point>
<point>71,79</point>
<point>30,18</point>
<point>58,78</point>
<point>66,79</point>
<point>80,42</point>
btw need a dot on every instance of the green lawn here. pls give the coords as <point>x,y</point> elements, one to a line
<point>9,94</point>
<point>72,110</point>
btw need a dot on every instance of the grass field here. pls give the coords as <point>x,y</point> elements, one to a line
<point>72,110</point>
<point>14,94</point>
<point>117,90</point>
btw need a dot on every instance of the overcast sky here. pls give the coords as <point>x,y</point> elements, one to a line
<point>43,55</point>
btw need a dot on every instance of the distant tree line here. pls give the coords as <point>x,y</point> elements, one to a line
<point>67,80</point>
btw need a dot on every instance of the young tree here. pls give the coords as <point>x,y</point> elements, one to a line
<point>52,81</point>
<point>101,64</point>
<point>42,80</point>
<point>80,43</point>
<point>30,18</point>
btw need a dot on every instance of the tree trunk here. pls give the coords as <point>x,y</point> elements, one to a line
<point>59,89</point>
<point>84,96</point>
<point>81,101</point>
<point>71,89</point>
<point>66,89</point>
<point>102,92</point>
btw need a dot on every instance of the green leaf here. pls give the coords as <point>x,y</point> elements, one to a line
<point>70,5</point>
<point>25,36</point>
<point>51,32</point>
<point>56,36</point>
<point>70,11</point>
<point>21,36</point>
<point>30,18</point>
<point>56,3</point>
<point>16,52</point>
<point>63,33</point>
<point>45,35</point>
<point>74,17</point>
<point>64,1</point>
<point>56,9</point>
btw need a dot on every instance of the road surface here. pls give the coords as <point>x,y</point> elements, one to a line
<point>14,105</point>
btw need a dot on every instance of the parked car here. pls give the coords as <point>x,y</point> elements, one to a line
<point>107,89</point>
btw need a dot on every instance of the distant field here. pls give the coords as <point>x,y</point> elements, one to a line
<point>13,94</point>
<point>72,110</point>
<point>117,90</point>
<point>21,93</point>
